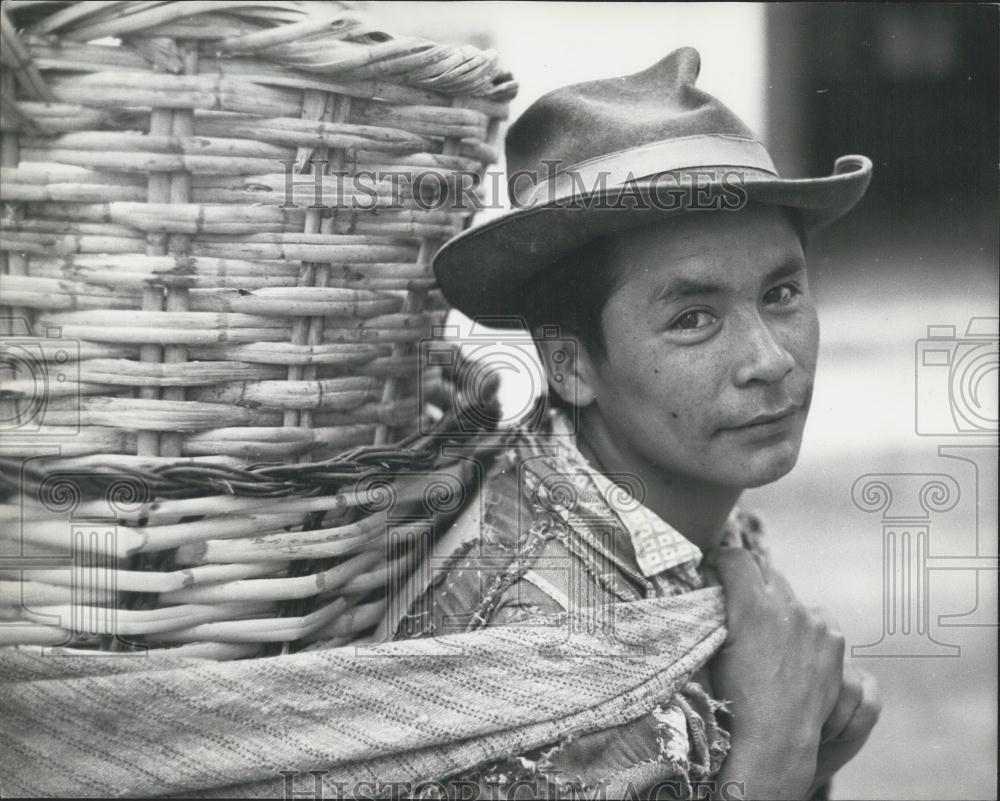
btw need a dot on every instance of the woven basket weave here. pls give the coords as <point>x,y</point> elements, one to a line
<point>178,324</point>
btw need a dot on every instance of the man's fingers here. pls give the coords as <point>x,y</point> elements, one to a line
<point>867,713</point>
<point>831,623</point>
<point>740,576</point>
<point>857,708</point>
<point>777,583</point>
<point>851,693</point>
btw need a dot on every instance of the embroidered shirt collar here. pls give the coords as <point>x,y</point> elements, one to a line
<point>658,545</point>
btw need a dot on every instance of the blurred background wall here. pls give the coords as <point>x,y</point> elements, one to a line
<point>915,88</point>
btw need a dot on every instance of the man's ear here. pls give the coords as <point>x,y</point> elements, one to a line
<point>569,368</point>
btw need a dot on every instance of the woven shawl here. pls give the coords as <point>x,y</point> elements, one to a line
<point>408,711</point>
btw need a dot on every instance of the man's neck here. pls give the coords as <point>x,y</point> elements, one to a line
<point>697,509</point>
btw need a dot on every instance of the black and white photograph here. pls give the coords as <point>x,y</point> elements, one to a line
<point>496,401</point>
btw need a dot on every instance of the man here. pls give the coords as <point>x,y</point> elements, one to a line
<point>654,236</point>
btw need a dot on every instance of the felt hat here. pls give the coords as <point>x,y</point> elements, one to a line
<point>601,157</point>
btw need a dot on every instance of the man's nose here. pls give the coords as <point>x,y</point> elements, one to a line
<point>763,358</point>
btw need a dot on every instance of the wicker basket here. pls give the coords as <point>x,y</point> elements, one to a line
<point>198,368</point>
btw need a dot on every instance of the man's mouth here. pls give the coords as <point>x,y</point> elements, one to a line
<point>767,419</point>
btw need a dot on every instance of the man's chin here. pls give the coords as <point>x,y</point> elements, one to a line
<point>766,465</point>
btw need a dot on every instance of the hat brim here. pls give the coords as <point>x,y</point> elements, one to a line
<point>483,272</point>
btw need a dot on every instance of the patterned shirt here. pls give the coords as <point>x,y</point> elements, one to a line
<point>548,532</point>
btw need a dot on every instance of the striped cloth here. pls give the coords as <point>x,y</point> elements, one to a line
<point>409,711</point>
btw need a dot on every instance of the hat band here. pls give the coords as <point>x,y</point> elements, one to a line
<point>667,155</point>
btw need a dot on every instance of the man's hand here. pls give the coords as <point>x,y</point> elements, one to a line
<point>781,669</point>
<point>849,725</point>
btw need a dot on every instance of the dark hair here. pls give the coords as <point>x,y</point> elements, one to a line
<point>572,292</point>
<point>570,296</point>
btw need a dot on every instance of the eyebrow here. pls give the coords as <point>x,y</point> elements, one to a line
<point>682,288</point>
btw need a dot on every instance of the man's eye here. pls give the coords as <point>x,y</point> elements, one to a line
<point>782,295</point>
<point>692,320</point>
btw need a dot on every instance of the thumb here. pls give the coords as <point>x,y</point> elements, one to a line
<point>741,578</point>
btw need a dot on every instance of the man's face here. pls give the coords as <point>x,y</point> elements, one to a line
<point>711,341</point>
